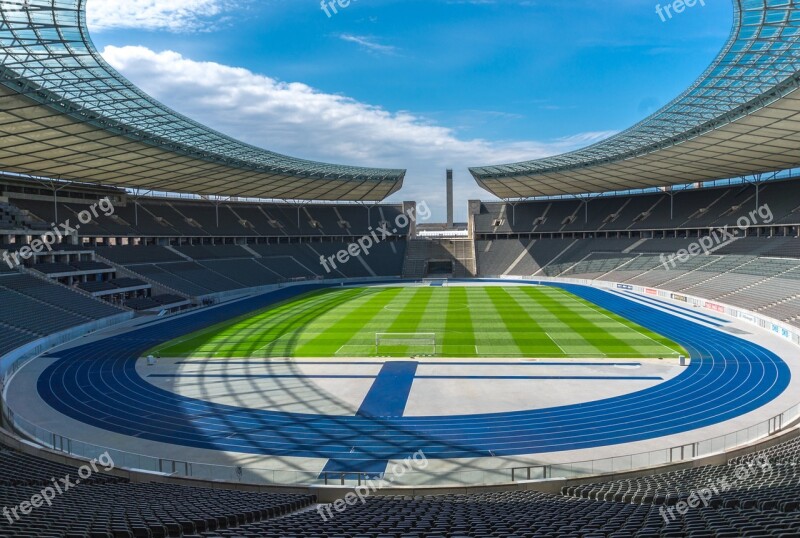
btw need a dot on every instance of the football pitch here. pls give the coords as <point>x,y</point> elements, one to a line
<point>491,321</point>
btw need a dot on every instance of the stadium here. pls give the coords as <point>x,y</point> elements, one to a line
<point>200,337</point>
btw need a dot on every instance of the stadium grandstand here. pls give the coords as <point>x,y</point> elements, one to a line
<point>202,338</point>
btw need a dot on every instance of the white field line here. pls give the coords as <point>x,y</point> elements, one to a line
<point>545,332</point>
<point>556,343</point>
<point>281,337</point>
<point>592,307</point>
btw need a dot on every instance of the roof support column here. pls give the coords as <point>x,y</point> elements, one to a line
<point>52,184</point>
<point>369,207</point>
<point>758,189</point>
<point>671,194</point>
<point>513,212</point>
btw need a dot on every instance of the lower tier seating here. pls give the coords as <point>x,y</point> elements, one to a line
<point>767,285</point>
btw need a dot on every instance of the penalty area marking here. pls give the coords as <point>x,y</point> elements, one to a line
<point>341,352</point>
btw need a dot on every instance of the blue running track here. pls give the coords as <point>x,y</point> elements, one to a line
<point>97,384</point>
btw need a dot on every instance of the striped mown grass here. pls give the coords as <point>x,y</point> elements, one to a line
<point>491,321</point>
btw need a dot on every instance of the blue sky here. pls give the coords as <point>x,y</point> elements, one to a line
<point>422,85</point>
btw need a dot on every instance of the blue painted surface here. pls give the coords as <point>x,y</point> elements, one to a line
<point>694,314</point>
<point>389,393</point>
<point>98,384</point>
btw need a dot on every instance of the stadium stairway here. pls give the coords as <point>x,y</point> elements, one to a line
<point>415,263</point>
<point>420,252</point>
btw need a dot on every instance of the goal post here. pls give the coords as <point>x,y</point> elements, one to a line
<point>405,344</point>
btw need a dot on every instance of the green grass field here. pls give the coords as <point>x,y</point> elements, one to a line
<point>532,322</point>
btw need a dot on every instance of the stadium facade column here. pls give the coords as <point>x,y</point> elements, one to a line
<point>449,199</point>
<point>410,208</point>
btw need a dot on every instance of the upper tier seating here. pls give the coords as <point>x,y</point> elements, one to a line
<point>165,218</point>
<point>696,208</point>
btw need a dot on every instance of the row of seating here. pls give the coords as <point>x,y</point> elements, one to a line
<point>210,273</point>
<point>763,284</point>
<point>752,496</point>
<point>693,208</point>
<point>111,285</point>
<point>156,301</point>
<point>31,308</point>
<point>105,506</point>
<point>518,514</point>
<point>150,217</point>
<point>72,267</point>
<point>12,337</point>
<point>764,503</point>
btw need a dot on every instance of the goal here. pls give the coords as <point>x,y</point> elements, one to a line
<point>405,344</point>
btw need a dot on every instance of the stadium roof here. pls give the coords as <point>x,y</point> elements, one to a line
<point>741,117</point>
<point>65,113</point>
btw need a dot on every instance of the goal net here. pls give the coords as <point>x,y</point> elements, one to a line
<point>405,344</point>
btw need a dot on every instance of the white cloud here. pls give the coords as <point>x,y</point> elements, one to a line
<point>368,43</point>
<point>170,15</point>
<point>295,119</point>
